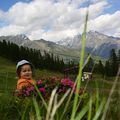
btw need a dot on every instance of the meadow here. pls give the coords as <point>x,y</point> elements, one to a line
<point>91,101</point>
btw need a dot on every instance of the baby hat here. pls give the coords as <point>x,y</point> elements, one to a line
<point>22,62</point>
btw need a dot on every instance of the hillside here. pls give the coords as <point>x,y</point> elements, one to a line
<point>8,77</point>
<point>7,74</point>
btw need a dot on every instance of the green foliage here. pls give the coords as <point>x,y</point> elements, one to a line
<point>89,66</point>
<point>99,68</point>
<point>9,107</point>
<point>112,64</point>
<point>114,108</point>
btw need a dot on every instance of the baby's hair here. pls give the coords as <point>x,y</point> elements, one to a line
<point>19,69</point>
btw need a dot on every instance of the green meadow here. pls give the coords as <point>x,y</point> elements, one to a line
<point>8,77</point>
<point>92,101</point>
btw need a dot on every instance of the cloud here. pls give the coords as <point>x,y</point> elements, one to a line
<point>107,23</point>
<point>57,19</point>
<point>11,30</point>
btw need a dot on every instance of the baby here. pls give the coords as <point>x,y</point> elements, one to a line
<point>25,72</point>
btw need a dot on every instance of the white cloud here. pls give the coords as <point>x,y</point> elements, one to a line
<point>96,9</point>
<point>11,30</point>
<point>107,23</point>
<point>57,35</point>
<point>57,19</point>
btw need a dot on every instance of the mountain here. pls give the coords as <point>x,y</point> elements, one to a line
<point>43,45</point>
<point>96,43</point>
<point>17,39</point>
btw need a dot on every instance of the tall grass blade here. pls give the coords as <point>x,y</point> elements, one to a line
<point>67,104</point>
<point>23,115</point>
<point>82,112</point>
<point>50,103</point>
<point>99,110</point>
<point>57,104</point>
<point>80,68</point>
<point>90,109</point>
<point>62,99</point>
<point>110,95</point>
<point>37,109</point>
<point>40,95</point>
<point>97,95</point>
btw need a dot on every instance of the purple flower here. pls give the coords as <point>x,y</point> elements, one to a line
<point>27,93</point>
<point>39,82</point>
<point>67,82</point>
<point>61,90</point>
<point>31,88</point>
<point>42,90</point>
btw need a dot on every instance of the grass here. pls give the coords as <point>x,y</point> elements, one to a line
<point>8,77</point>
<point>90,106</point>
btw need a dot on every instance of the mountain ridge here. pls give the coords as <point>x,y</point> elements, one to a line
<point>96,43</point>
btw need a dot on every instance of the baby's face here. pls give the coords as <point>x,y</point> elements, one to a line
<point>26,72</point>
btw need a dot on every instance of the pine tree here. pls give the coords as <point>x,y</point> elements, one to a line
<point>89,65</point>
<point>107,68</point>
<point>113,62</point>
<point>118,57</point>
<point>101,67</point>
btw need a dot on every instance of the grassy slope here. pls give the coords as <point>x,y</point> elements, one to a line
<point>8,78</point>
<point>7,74</point>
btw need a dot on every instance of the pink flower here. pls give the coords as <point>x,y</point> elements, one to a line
<point>31,88</point>
<point>27,93</point>
<point>39,82</point>
<point>42,89</point>
<point>61,90</point>
<point>67,82</point>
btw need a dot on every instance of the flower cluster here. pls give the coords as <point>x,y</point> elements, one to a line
<point>68,83</point>
<point>65,84</point>
<point>46,86</point>
<point>31,90</point>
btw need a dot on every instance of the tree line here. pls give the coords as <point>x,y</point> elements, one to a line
<point>109,68</point>
<point>46,60</point>
<point>50,61</point>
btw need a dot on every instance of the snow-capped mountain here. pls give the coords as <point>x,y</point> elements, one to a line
<point>17,39</point>
<point>96,43</point>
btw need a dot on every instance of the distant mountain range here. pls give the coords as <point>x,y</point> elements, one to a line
<point>43,45</point>
<point>98,44</point>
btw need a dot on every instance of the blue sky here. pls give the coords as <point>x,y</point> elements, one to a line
<point>115,5</point>
<point>53,20</point>
<point>6,4</point>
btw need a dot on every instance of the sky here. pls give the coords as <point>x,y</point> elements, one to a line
<point>54,20</point>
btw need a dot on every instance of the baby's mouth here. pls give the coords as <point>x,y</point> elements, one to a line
<point>27,75</point>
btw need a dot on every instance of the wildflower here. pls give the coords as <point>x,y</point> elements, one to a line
<point>30,90</point>
<point>42,90</point>
<point>67,82</point>
<point>39,82</point>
